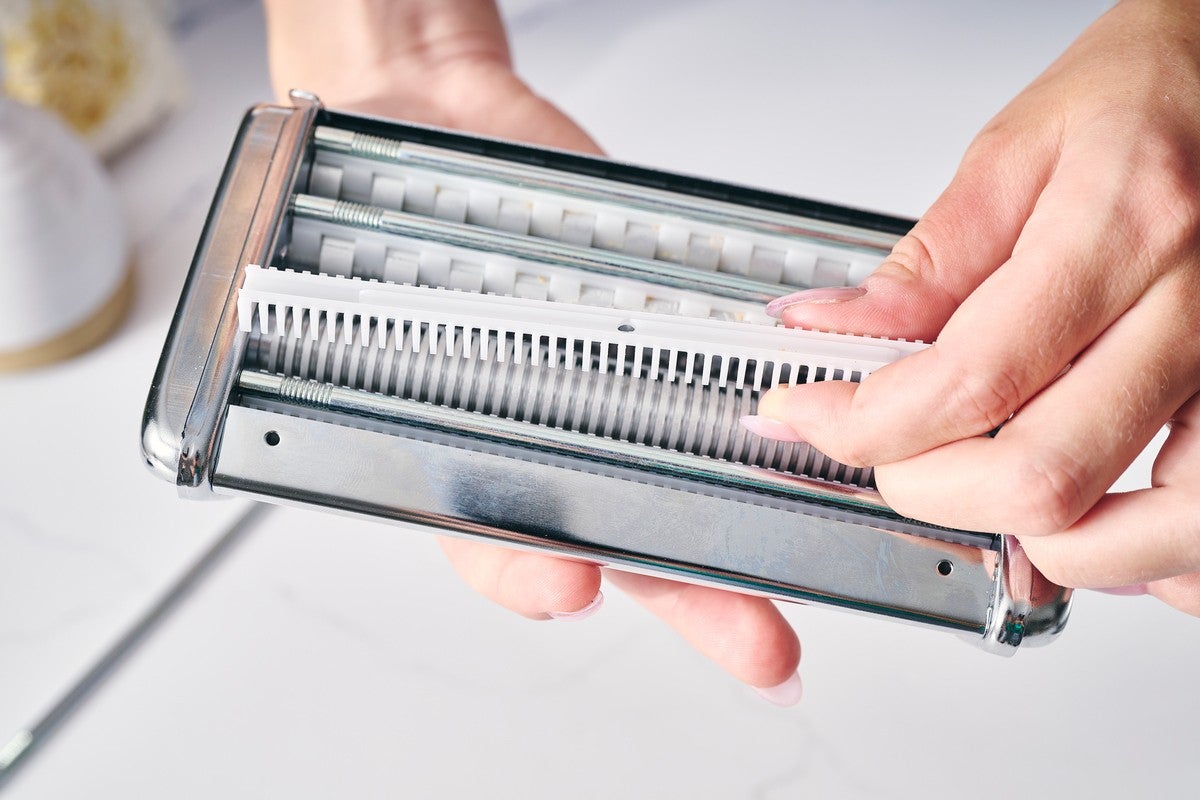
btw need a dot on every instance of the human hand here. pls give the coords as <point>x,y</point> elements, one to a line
<point>446,62</point>
<point>1060,274</point>
<point>440,62</point>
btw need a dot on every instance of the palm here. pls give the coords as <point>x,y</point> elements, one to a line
<point>747,636</point>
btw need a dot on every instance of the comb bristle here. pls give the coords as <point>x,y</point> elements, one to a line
<point>650,378</point>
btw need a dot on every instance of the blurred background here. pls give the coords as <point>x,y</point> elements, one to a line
<point>331,657</point>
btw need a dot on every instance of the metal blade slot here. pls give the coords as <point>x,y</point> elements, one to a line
<point>319,246</point>
<point>643,342</point>
<point>590,211</point>
<point>687,417</point>
<point>501,243</point>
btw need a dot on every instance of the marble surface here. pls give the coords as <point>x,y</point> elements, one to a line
<point>333,657</point>
<point>87,537</point>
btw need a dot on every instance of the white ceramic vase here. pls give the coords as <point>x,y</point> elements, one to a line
<point>64,278</point>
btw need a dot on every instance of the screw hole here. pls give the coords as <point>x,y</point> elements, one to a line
<point>626,327</point>
<point>271,438</point>
<point>944,568</point>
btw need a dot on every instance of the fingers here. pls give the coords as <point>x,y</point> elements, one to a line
<point>1179,457</point>
<point>533,585</point>
<point>1064,449</point>
<point>1150,536</point>
<point>1008,340</point>
<point>746,636</point>
<point>1182,592</point>
<point>969,232</point>
<point>1130,538</point>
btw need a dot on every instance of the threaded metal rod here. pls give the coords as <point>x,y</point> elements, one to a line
<point>635,407</point>
<point>720,284</point>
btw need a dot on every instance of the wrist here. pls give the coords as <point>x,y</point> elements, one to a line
<point>348,53</point>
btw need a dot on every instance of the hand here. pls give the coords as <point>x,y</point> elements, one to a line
<point>446,62</point>
<point>1060,275</point>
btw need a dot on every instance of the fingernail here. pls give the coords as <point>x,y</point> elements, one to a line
<point>787,693</point>
<point>1131,590</point>
<point>583,613</point>
<point>769,428</point>
<point>823,296</point>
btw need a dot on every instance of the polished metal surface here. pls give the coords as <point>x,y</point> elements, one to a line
<point>520,494</point>
<point>215,423</point>
<point>721,284</point>
<point>843,501</point>
<point>25,742</point>
<point>789,558</point>
<point>588,187</point>
<point>604,393</point>
<point>1027,606</point>
<point>203,350</point>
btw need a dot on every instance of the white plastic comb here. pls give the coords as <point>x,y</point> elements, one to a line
<point>675,348</point>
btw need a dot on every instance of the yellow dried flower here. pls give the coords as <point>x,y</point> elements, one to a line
<point>69,56</point>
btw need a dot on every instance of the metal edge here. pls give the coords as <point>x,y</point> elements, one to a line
<point>1027,608</point>
<point>202,351</point>
<point>842,220</point>
<point>354,407</point>
<point>162,418</point>
<point>356,500</point>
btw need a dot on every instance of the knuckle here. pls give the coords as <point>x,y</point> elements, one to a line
<point>1161,206</point>
<point>1001,136</point>
<point>855,452</point>
<point>1008,149</point>
<point>859,444</point>
<point>910,257</point>
<point>914,262</point>
<point>856,458</point>
<point>978,403</point>
<point>1169,229</point>
<point>1051,491</point>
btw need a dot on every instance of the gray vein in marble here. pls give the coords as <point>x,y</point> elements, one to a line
<point>19,525</point>
<point>330,618</point>
<point>436,671</point>
<point>607,652</point>
<point>21,624</point>
<point>815,751</point>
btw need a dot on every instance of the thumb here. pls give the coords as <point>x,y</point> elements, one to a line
<point>965,236</point>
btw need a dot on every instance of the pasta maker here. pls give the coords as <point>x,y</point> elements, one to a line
<point>547,351</point>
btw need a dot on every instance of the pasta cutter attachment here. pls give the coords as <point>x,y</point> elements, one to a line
<point>548,351</point>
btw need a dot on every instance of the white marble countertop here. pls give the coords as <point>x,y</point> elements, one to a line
<point>329,657</point>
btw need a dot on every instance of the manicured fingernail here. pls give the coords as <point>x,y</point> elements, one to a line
<point>583,613</point>
<point>1131,590</point>
<point>787,693</point>
<point>823,296</point>
<point>769,428</point>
